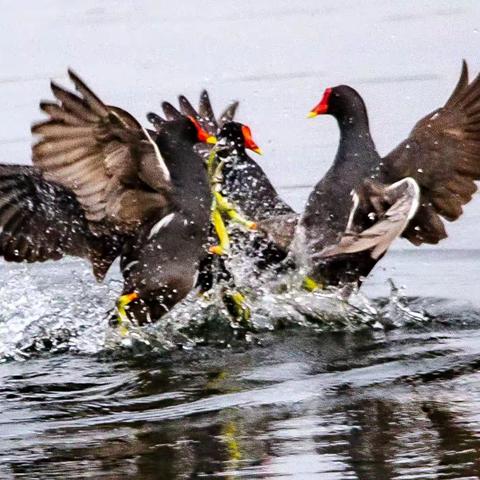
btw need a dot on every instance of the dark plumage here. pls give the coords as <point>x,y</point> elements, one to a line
<point>101,186</point>
<point>244,181</point>
<point>441,157</point>
<point>42,220</point>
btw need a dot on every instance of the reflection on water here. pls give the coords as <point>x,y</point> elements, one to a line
<point>393,398</point>
<point>373,389</point>
<point>363,406</point>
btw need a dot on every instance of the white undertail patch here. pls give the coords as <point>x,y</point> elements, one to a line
<point>413,186</point>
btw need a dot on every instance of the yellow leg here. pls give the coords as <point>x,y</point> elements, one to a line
<point>225,206</point>
<point>239,308</point>
<point>216,176</point>
<point>311,285</point>
<point>230,434</point>
<point>219,225</point>
<point>122,316</point>
<point>211,168</point>
<point>221,205</point>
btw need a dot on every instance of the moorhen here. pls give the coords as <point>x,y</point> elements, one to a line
<point>244,181</point>
<point>246,184</point>
<point>101,185</point>
<point>428,176</point>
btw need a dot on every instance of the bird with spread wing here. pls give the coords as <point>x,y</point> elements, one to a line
<point>103,186</point>
<point>364,201</point>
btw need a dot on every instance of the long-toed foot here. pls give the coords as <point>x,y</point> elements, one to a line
<point>237,306</point>
<point>224,206</point>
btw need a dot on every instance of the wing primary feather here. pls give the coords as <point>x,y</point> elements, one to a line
<point>73,104</point>
<point>156,120</point>
<point>470,94</point>
<point>461,85</point>
<point>56,129</point>
<point>56,112</point>
<point>93,101</point>
<point>205,107</point>
<point>186,107</point>
<point>228,114</point>
<point>171,113</point>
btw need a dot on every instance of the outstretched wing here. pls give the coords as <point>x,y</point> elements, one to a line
<point>442,154</point>
<point>42,220</point>
<point>205,115</point>
<point>170,112</point>
<point>103,155</point>
<point>380,214</point>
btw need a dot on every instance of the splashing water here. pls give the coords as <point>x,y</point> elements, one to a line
<point>53,307</point>
<point>57,307</point>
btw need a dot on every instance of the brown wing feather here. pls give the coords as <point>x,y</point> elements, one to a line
<point>103,155</point>
<point>205,114</point>
<point>41,220</point>
<point>380,215</point>
<point>280,229</point>
<point>442,154</point>
<point>228,114</point>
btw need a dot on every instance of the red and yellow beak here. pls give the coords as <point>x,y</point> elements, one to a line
<point>249,143</point>
<point>322,107</point>
<point>202,135</point>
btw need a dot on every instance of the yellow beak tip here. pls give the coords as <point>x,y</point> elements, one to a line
<point>312,114</point>
<point>258,151</point>
<point>211,139</point>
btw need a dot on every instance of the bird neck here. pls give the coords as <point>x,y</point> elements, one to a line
<point>356,146</point>
<point>233,155</point>
<point>353,123</point>
<point>188,175</point>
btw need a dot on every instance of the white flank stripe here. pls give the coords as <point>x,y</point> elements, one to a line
<point>161,161</point>
<point>160,224</point>
<point>128,266</point>
<point>356,201</point>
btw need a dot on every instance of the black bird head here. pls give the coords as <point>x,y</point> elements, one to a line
<point>342,102</point>
<point>234,135</point>
<point>182,127</point>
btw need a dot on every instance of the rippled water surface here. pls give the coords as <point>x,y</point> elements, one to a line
<point>395,398</point>
<point>385,387</point>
